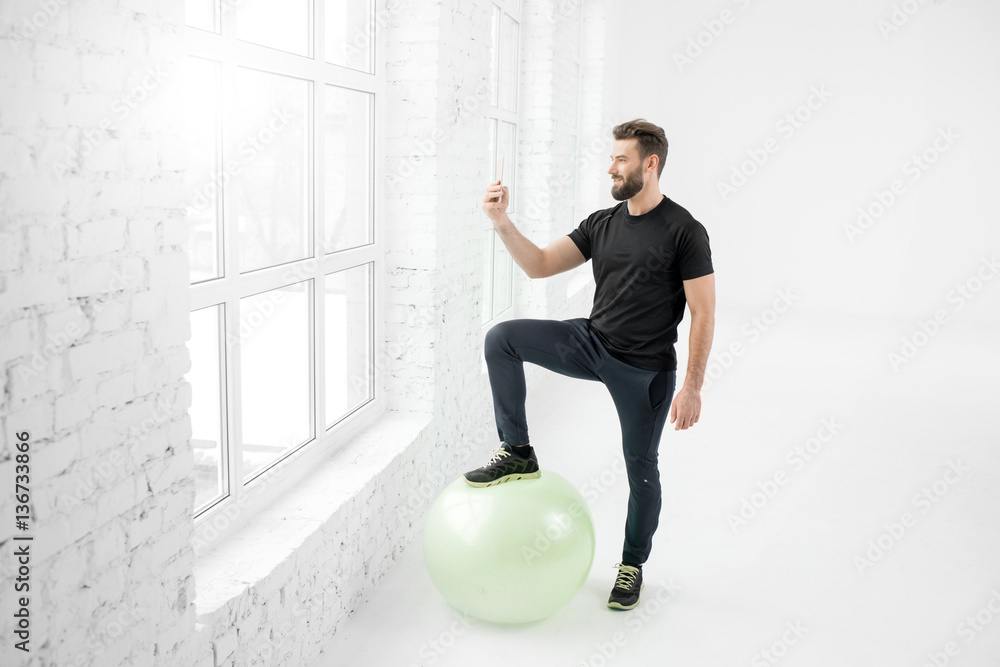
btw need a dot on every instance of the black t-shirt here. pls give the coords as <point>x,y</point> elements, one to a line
<point>639,265</point>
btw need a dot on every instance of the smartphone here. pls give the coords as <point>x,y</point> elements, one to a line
<point>499,177</point>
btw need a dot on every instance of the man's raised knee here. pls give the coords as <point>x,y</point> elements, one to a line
<point>497,337</point>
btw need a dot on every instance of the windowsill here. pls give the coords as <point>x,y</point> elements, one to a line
<point>258,548</point>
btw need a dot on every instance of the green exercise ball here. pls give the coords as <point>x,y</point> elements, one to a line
<point>511,553</point>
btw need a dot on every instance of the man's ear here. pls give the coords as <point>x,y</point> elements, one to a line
<point>653,161</point>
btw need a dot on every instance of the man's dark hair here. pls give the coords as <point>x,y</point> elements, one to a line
<point>651,139</point>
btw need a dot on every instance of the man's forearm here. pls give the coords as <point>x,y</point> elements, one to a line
<point>527,255</point>
<point>700,344</point>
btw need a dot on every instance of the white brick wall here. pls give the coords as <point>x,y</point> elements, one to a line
<point>94,318</point>
<point>561,179</point>
<point>76,244</point>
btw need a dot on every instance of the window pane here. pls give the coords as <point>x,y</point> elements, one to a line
<point>492,157</point>
<point>274,374</point>
<point>489,237</point>
<point>267,159</point>
<point>508,63</point>
<point>349,364</point>
<point>348,178</point>
<point>280,24</point>
<point>501,276</point>
<point>488,234</point>
<point>203,14</point>
<point>507,149</point>
<point>206,411</point>
<point>495,57</point>
<point>202,101</point>
<point>350,33</point>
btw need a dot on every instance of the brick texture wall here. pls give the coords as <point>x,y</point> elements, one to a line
<point>93,329</point>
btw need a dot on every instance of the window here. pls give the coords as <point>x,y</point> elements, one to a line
<point>498,269</point>
<point>281,116</point>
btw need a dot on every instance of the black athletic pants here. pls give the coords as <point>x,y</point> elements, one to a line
<point>642,398</point>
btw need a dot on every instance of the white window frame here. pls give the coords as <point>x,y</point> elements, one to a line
<point>273,479</point>
<point>496,115</point>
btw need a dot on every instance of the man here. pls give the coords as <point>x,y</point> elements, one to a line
<point>650,258</point>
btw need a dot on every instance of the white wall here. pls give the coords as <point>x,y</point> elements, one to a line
<point>93,323</point>
<point>890,92</point>
<point>558,120</point>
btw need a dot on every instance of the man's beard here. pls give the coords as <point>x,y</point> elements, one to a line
<point>629,187</point>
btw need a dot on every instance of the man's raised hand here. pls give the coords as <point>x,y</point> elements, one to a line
<point>495,201</point>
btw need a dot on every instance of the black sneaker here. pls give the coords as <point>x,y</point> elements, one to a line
<point>505,466</point>
<point>625,594</point>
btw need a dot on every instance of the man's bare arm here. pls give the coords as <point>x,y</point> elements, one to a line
<point>560,255</point>
<point>700,294</point>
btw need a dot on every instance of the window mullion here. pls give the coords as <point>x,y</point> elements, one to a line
<point>225,402</point>
<point>378,175</point>
<point>231,275</point>
<point>318,162</point>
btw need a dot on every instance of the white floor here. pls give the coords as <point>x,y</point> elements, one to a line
<point>715,596</point>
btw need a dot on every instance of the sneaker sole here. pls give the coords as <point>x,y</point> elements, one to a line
<point>505,478</point>
<point>617,605</point>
